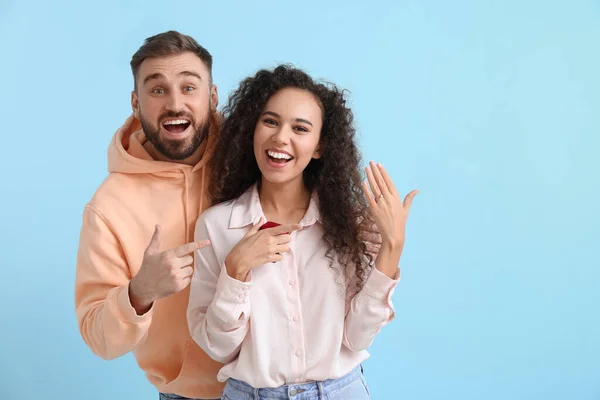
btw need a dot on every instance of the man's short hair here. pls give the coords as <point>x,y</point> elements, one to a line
<point>169,43</point>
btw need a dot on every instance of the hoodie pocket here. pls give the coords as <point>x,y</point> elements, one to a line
<point>197,369</point>
<point>184,362</point>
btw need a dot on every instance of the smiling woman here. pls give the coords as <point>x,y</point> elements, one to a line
<point>285,139</point>
<point>285,111</point>
<point>286,250</point>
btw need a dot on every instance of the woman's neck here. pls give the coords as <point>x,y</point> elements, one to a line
<point>284,202</point>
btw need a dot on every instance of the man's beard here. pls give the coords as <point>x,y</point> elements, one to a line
<point>172,148</point>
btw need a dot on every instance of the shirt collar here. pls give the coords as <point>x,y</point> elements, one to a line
<point>246,210</point>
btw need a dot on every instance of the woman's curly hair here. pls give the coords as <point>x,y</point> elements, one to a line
<point>335,176</point>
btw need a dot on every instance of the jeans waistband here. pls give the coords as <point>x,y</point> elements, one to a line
<point>298,391</point>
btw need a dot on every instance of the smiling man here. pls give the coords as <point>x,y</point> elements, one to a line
<point>136,242</point>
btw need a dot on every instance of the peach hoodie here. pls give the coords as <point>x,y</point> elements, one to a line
<point>117,225</point>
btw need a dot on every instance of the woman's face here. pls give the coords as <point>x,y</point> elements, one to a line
<point>287,134</point>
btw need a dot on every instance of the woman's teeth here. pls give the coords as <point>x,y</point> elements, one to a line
<point>279,156</point>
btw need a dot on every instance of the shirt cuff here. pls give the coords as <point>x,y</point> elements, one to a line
<point>121,305</point>
<point>232,298</point>
<point>379,285</point>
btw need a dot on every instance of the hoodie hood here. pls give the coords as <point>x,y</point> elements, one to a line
<point>126,152</point>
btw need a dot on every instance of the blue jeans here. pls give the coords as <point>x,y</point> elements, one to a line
<point>352,386</point>
<point>171,396</point>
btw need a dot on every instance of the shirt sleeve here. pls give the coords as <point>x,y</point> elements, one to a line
<point>368,310</point>
<point>219,306</point>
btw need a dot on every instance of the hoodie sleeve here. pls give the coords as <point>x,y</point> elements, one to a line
<point>108,323</point>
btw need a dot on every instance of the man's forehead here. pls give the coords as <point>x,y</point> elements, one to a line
<point>180,65</point>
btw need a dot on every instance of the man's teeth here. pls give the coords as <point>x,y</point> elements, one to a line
<point>280,156</point>
<point>177,122</point>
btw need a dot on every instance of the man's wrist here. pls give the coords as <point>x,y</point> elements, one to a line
<point>139,301</point>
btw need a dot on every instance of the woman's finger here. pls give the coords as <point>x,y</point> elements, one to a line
<point>373,183</point>
<point>383,188</point>
<point>281,248</point>
<point>387,179</point>
<point>368,195</point>
<point>255,228</point>
<point>409,199</point>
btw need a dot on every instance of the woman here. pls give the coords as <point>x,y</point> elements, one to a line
<point>290,310</point>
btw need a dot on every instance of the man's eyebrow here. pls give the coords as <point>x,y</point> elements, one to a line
<point>158,75</point>
<point>279,116</point>
<point>150,77</point>
<point>191,73</point>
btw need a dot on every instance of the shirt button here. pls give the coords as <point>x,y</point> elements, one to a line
<point>245,288</point>
<point>298,353</point>
<point>296,318</point>
<point>291,282</point>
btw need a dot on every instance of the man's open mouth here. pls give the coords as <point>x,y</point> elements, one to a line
<point>176,125</point>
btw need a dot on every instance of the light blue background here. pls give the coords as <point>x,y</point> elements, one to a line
<point>490,108</point>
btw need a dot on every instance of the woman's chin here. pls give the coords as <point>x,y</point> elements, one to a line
<point>280,179</point>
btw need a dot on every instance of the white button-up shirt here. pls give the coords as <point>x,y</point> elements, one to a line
<point>296,320</point>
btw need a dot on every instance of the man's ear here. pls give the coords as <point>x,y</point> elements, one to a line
<point>135,104</point>
<point>214,98</point>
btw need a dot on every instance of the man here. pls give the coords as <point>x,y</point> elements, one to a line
<point>135,253</point>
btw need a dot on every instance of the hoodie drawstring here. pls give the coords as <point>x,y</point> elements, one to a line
<point>185,206</point>
<point>202,192</point>
<point>187,199</point>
